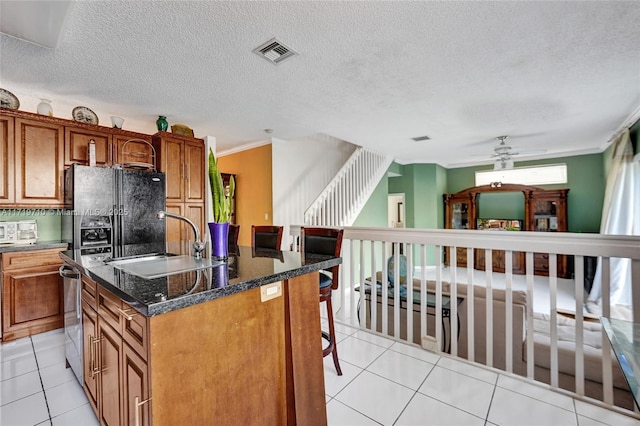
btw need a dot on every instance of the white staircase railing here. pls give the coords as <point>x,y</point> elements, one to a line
<point>344,197</point>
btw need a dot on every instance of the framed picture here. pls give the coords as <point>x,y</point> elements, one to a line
<point>553,223</point>
<point>541,224</point>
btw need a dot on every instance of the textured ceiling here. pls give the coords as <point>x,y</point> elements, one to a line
<point>555,76</point>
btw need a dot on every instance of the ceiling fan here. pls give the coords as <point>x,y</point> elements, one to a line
<point>504,155</point>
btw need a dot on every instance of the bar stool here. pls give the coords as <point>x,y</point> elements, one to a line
<point>234,233</point>
<point>266,237</point>
<point>329,242</point>
<point>232,242</point>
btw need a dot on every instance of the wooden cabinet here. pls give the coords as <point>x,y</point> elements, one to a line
<point>548,213</point>
<point>112,147</point>
<point>35,150</point>
<point>169,369</point>
<point>32,293</point>
<point>39,163</point>
<point>498,261</point>
<point>182,159</point>
<point>116,377</point>
<point>130,149</point>
<point>7,188</point>
<point>544,210</point>
<point>76,147</point>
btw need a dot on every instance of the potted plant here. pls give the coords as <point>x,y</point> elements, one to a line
<point>221,202</point>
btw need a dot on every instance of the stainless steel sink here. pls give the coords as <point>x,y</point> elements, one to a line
<point>139,258</point>
<point>158,265</point>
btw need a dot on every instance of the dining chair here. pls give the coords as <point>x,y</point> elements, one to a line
<point>266,236</point>
<point>325,241</point>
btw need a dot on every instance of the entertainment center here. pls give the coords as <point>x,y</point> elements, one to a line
<point>544,211</point>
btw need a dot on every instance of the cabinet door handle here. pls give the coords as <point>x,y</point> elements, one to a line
<point>126,314</point>
<point>96,368</point>
<point>138,405</point>
<point>91,356</point>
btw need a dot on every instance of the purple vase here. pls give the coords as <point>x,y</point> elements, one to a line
<point>219,240</point>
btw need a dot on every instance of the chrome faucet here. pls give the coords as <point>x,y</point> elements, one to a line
<point>198,245</point>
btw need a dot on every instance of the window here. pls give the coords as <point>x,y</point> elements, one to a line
<point>536,175</point>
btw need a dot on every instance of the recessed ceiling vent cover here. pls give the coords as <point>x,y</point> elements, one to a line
<point>421,138</point>
<point>274,51</point>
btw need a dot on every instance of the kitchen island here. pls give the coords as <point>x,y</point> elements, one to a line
<point>237,343</point>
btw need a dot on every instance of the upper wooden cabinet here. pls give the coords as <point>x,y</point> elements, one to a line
<point>76,147</point>
<point>112,147</point>
<point>133,149</point>
<point>544,210</point>
<point>183,160</point>
<point>39,163</point>
<point>7,189</point>
<point>35,150</point>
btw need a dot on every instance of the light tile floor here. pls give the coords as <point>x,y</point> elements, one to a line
<point>383,383</point>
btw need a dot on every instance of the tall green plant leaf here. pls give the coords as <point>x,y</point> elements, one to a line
<point>221,203</point>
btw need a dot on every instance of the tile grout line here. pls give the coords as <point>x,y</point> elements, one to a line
<point>46,402</point>
<point>415,392</point>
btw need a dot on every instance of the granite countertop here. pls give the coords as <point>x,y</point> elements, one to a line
<point>244,270</point>
<point>39,245</point>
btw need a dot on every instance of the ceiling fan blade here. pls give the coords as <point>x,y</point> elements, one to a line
<point>529,152</point>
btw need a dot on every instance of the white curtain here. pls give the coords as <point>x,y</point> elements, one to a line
<point>620,216</point>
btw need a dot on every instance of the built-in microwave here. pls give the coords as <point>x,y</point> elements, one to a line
<point>8,232</point>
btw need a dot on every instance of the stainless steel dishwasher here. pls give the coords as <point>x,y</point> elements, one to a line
<point>72,319</point>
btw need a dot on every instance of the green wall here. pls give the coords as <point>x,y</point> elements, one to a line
<point>374,213</point>
<point>586,183</point>
<point>424,184</point>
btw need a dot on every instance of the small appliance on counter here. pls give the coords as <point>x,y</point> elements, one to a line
<point>19,232</point>
<point>27,231</point>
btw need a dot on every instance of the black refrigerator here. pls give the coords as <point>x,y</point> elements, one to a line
<point>108,213</point>
<point>113,211</point>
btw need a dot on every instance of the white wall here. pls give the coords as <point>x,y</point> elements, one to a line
<point>301,170</point>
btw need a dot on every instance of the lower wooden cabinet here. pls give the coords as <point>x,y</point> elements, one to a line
<point>499,261</point>
<point>115,375</point>
<point>32,293</point>
<point>196,368</point>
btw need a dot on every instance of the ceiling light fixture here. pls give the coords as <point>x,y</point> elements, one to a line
<point>503,155</point>
<point>503,164</point>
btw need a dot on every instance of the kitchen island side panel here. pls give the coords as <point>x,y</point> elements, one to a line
<point>304,352</point>
<point>221,362</point>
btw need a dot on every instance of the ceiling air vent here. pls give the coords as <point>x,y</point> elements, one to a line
<point>274,51</point>
<point>421,138</point>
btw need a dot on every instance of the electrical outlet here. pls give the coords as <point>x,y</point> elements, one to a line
<point>270,291</point>
<point>266,216</point>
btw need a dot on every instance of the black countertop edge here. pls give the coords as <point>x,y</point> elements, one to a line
<point>162,307</point>
<point>40,245</point>
<point>216,293</point>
